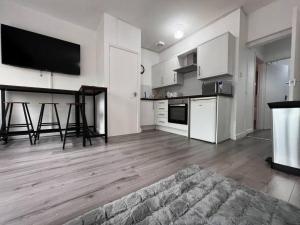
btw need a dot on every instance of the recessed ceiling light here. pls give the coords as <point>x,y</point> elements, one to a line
<point>179,31</point>
<point>178,34</point>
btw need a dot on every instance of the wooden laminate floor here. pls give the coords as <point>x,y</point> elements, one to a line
<point>44,185</point>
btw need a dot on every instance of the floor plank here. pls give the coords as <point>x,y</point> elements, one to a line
<point>44,185</point>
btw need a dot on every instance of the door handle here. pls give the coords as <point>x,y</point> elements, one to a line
<point>134,94</point>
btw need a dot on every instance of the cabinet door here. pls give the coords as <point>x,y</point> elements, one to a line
<point>147,113</point>
<point>203,119</point>
<point>170,77</point>
<point>156,76</point>
<point>215,57</point>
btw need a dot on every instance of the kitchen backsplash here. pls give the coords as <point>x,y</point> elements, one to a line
<point>191,86</point>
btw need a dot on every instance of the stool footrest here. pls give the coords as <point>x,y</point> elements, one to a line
<point>49,124</point>
<point>17,125</point>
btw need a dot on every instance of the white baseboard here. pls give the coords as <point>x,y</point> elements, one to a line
<point>148,127</point>
<point>244,133</point>
<point>173,130</point>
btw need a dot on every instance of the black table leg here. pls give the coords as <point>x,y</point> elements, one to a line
<point>77,114</point>
<point>3,119</point>
<point>105,115</point>
<point>83,112</point>
<point>94,110</point>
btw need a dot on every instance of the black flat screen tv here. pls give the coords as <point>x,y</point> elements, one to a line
<point>31,50</point>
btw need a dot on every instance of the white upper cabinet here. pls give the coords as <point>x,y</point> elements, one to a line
<point>163,74</point>
<point>157,75</point>
<point>170,77</point>
<point>216,57</point>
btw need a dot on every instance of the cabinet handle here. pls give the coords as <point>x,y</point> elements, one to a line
<point>174,77</point>
<point>198,71</point>
<point>161,121</point>
<point>161,108</point>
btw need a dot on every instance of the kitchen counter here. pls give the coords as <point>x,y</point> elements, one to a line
<point>188,96</point>
<point>286,104</point>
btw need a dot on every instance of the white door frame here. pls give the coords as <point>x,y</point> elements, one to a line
<point>138,81</point>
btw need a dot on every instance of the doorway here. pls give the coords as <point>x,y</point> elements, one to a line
<point>271,80</point>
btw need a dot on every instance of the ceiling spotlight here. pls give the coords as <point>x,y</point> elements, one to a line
<point>179,31</point>
<point>178,34</point>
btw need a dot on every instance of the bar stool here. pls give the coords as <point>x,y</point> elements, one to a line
<point>27,124</point>
<point>73,126</point>
<point>41,124</point>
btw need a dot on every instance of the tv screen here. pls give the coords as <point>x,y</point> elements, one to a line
<point>31,50</point>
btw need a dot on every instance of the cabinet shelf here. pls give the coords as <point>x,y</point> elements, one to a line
<point>187,69</point>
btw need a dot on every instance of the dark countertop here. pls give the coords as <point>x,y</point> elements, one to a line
<point>286,104</point>
<point>188,96</point>
<point>84,89</point>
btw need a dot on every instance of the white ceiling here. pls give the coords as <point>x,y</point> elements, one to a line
<point>156,18</point>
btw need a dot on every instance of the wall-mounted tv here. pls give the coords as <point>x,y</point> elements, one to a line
<point>31,50</point>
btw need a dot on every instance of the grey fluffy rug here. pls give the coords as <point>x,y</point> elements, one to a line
<point>193,196</point>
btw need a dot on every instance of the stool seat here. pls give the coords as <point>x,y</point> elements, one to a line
<point>48,103</point>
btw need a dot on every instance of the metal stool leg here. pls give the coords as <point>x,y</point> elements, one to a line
<point>58,122</point>
<point>66,131</point>
<point>30,121</point>
<point>27,124</point>
<point>28,114</point>
<point>38,128</point>
<point>43,110</point>
<point>86,134</point>
<point>9,121</point>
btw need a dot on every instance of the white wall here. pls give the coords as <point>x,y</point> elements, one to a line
<point>112,31</point>
<point>277,50</point>
<point>149,58</point>
<point>115,32</point>
<point>229,23</point>
<point>271,19</point>
<point>244,98</point>
<point>28,19</point>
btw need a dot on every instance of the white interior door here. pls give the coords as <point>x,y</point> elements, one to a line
<point>123,92</point>
<point>294,90</point>
<point>277,75</point>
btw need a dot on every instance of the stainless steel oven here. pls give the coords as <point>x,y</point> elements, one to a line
<point>178,111</point>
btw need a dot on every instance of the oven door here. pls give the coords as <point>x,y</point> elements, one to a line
<point>178,113</point>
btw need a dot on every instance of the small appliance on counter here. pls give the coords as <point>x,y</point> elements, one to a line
<point>173,94</point>
<point>217,87</point>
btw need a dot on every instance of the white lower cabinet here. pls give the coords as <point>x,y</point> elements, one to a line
<point>161,120</point>
<point>203,119</point>
<point>210,119</point>
<point>147,113</point>
<point>161,112</point>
